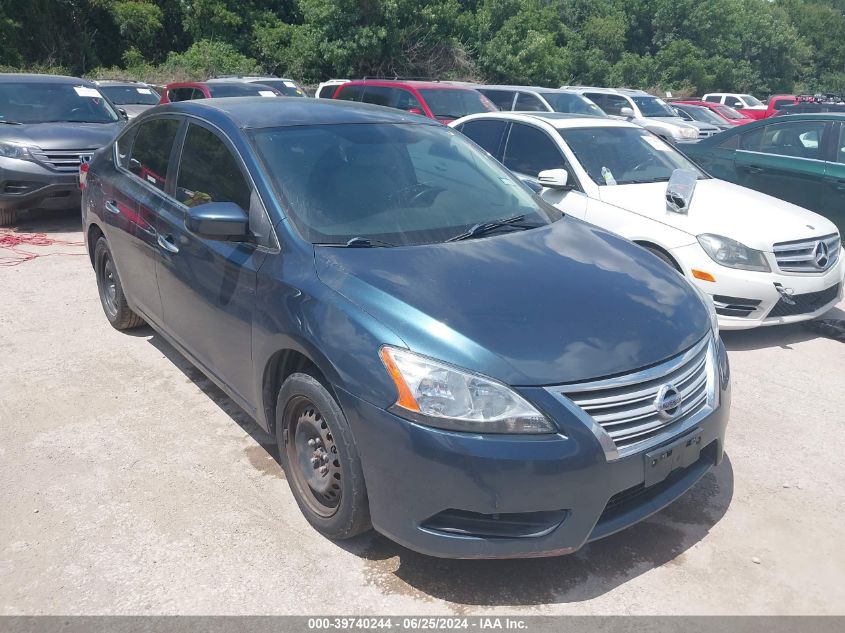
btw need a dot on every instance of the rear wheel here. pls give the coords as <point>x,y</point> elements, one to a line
<point>117,310</point>
<point>321,459</point>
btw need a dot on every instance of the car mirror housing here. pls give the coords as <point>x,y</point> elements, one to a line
<point>680,189</point>
<point>628,113</point>
<point>218,221</point>
<point>554,179</point>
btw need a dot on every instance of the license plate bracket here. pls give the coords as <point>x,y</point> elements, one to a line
<point>681,453</point>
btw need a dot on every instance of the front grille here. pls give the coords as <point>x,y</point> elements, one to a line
<point>503,525</point>
<point>19,187</point>
<point>802,256</point>
<point>734,306</point>
<point>805,303</point>
<point>626,409</point>
<point>64,160</point>
<point>707,133</point>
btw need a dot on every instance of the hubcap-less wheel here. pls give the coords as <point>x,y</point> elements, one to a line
<point>313,453</point>
<point>108,287</point>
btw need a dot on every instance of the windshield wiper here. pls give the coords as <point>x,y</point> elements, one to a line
<point>358,242</point>
<point>10,122</point>
<point>485,227</point>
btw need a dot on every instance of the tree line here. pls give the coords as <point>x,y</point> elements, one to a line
<point>687,46</point>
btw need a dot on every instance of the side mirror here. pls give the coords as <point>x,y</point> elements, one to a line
<point>416,111</point>
<point>123,113</point>
<point>628,113</point>
<point>218,221</point>
<point>555,179</point>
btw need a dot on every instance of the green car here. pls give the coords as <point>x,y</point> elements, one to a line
<point>799,158</point>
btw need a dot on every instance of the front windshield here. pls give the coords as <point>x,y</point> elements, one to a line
<point>751,101</point>
<point>453,104</point>
<point>240,90</point>
<point>728,112</point>
<point>399,184</point>
<point>130,95</point>
<point>653,107</point>
<point>285,86</point>
<point>623,155</point>
<point>49,103</point>
<point>568,102</point>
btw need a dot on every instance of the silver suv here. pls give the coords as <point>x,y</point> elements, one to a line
<point>647,111</point>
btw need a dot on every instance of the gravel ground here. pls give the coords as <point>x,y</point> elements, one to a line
<point>129,484</point>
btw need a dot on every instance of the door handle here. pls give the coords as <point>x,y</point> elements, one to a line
<point>752,169</point>
<point>111,206</point>
<point>838,183</point>
<point>166,242</point>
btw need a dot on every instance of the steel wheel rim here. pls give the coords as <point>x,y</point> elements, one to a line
<point>108,286</point>
<point>314,458</point>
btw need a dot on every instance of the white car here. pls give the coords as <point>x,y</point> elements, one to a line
<point>764,261</point>
<point>735,100</point>
<point>326,88</point>
<point>647,111</point>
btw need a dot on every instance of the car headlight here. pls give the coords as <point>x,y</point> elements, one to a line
<point>711,308</point>
<point>13,150</point>
<point>443,396</point>
<point>732,254</point>
<point>689,132</point>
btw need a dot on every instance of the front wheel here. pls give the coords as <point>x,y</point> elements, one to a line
<point>320,459</point>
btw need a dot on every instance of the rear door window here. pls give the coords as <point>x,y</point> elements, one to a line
<point>530,151</point>
<point>713,99</point>
<point>150,154</point>
<point>799,139</point>
<point>180,94</point>
<point>734,102</point>
<point>486,134</point>
<point>380,95</point>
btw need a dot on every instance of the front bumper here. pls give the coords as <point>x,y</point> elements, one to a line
<point>735,290</point>
<point>417,475</point>
<point>28,185</point>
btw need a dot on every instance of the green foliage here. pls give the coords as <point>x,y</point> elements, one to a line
<point>687,46</point>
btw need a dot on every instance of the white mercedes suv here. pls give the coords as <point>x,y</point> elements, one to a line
<point>764,261</point>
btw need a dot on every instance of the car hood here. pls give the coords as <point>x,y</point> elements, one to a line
<point>723,208</point>
<point>134,109</point>
<point>550,305</point>
<point>61,135</point>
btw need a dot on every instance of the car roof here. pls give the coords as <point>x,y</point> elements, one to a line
<point>43,79</point>
<point>411,83</point>
<point>538,89</point>
<point>249,79</point>
<point>121,82</point>
<point>259,112</point>
<point>559,120</point>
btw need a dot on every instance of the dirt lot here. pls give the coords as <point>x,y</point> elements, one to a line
<point>130,485</point>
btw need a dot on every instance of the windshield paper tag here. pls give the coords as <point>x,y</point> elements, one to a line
<point>289,84</point>
<point>656,143</point>
<point>82,91</point>
<point>608,176</point>
<point>144,91</point>
<point>267,93</point>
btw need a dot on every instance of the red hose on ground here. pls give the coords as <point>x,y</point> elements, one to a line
<point>11,240</point>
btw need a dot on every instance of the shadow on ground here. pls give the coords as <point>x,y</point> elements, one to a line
<point>783,336</point>
<point>53,221</point>
<point>593,571</point>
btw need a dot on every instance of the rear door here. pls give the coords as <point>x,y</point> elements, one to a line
<point>785,159</point>
<point>833,197</point>
<point>132,200</point>
<point>530,150</point>
<point>208,286</point>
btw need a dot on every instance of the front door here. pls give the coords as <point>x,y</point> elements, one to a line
<point>530,150</point>
<point>208,286</point>
<point>833,195</point>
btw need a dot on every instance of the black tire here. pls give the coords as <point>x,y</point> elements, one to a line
<point>117,310</point>
<point>8,217</point>
<point>666,258</point>
<point>334,501</point>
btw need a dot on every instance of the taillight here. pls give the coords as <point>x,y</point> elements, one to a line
<point>83,175</point>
